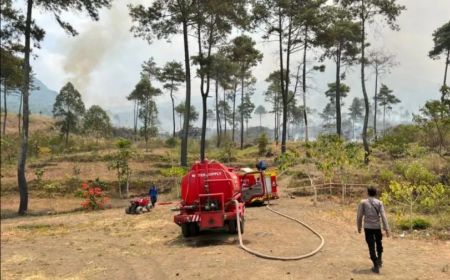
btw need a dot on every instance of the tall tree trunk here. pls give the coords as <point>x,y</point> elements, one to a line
<point>286,93</point>
<point>135,118</point>
<point>19,114</point>
<point>275,128</point>
<point>447,61</point>
<point>280,50</point>
<point>146,122</point>
<point>363,84</point>
<point>203,136</point>
<point>242,111</point>
<point>384,120</point>
<point>338,91</point>
<point>224,113</point>
<point>217,113</point>
<point>187,111</point>
<point>22,181</point>
<point>305,117</point>
<point>5,108</point>
<point>173,110</point>
<point>234,112</point>
<point>204,92</point>
<point>375,101</point>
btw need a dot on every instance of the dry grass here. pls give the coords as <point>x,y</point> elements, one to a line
<point>37,123</point>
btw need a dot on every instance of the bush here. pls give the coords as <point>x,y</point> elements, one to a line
<point>417,223</point>
<point>227,153</point>
<point>394,145</point>
<point>262,144</point>
<point>94,196</point>
<point>50,190</point>
<point>386,176</point>
<point>171,142</point>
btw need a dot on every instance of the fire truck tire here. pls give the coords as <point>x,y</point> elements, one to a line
<point>232,226</point>
<point>194,229</point>
<point>185,230</point>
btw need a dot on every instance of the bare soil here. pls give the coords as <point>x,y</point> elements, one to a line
<point>112,245</point>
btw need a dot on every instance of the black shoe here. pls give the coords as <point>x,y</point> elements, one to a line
<point>380,262</point>
<point>375,269</point>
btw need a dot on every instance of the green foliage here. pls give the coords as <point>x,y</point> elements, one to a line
<point>180,109</point>
<point>262,144</point>
<point>145,95</point>
<point>39,173</point>
<point>120,162</point>
<point>286,160</point>
<point>9,144</point>
<point>417,223</point>
<point>97,122</point>
<point>434,119</point>
<point>171,142</point>
<point>395,145</point>
<point>436,199</point>
<point>441,39</point>
<point>51,189</point>
<point>417,174</point>
<point>332,154</point>
<point>228,152</point>
<point>386,176</point>
<point>174,171</point>
<point>417,190</point>
<point>67,109</point>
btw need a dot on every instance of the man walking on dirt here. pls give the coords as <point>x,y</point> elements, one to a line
<point>372,210</point>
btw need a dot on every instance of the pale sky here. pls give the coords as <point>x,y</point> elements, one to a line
<point>104,60</point>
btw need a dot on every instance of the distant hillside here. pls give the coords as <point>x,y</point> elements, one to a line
<point>37,123</point>
<point>41,100</point>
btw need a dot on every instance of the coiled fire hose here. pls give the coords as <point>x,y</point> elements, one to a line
<point>271,257</point>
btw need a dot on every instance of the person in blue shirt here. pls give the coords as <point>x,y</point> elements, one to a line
<point>153,194</point>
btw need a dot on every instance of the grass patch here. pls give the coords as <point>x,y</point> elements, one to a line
<point>416,223</point>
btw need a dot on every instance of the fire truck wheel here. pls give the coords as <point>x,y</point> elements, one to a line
<point>194,229</point>
<point>185,230</point>
<point>232,226</point>
<point>139,210</point>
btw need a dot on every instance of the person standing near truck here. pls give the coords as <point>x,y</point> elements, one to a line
<point>372,210</point>
<point>153,194</point>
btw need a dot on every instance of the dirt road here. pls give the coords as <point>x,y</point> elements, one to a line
<point>112,245</point>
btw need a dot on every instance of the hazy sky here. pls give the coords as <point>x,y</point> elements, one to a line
<point>104,60</point>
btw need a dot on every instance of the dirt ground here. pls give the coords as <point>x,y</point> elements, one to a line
<point>111,245</point>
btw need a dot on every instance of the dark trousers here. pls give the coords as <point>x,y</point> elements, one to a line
<point>374,239</point>
<point>153,200</point>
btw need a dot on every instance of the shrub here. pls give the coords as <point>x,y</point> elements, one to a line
<point>262,144</point>
<point>286,160</point>
<point>94,197</point>
<point>171,142</point>
<point>39,172</point>
<point>52,189</point>
<point>417,223</point>
<point>227,153</point>
<point>394,145</point>
<point>386,176</point>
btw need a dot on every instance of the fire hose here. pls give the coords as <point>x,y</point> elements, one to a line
<point>271,257</point>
